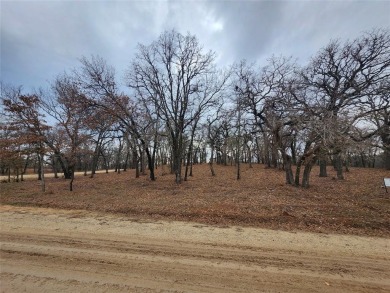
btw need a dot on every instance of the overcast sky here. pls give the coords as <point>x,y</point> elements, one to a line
<point>41,39</point>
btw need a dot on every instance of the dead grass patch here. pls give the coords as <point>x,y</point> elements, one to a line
<point>357,205</point>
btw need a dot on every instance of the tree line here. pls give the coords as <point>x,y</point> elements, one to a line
<point>184,110</point>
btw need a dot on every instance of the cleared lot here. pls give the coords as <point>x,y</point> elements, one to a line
<point>357,205</point>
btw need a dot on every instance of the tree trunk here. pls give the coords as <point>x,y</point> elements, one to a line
<point>71,181</point>
<point>39,168</point>
<point>293,152</point>
<point>309,157</point>
<point>298,172</point>
<point>54,163</point>
<point>191,167</point>
<point>238,165</point>
<point>323,171</point>
<point>142,161</point>
<point>363,160</point>
<point>43,184</point>
<point>250,157</point>
<point>151,159</point>
<point>374,159</point>
<point>177,152</point>
<point>288,170</point>
<point>339,167</point>
<point>67,174</point>
<point>385,137</point>
<point>104,160</point>
<point>136,162</point>
<point>387,158</point>
<point>266,155</point>
<point>274,157</point>
<point>306,173</point>
<point>95,159</point>
<point>126,160</point>
<point>188,162</point>
<point>25,167</point>
<point>85,168</point>
<point>346,165</point>
<point>211,162</point>
<point>64,167</point>
<point>189,154</point>
<point>118,157</point>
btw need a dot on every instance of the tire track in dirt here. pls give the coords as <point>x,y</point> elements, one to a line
<point>44,250</point>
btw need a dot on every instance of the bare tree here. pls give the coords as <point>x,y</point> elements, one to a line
<point>265,95</point>
<point>169,73</point>
<point>342,76</point>
<point>98,82</point>
<point>100,126</point>
<point>379,118</point>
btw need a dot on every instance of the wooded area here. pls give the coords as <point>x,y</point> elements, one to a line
<point>184,110</point>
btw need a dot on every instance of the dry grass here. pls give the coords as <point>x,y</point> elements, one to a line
<point>357,205</point>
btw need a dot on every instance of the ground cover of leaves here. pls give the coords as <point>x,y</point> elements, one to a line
<point>357,205</point>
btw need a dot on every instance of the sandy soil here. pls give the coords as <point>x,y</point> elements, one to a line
<point>47,250</point>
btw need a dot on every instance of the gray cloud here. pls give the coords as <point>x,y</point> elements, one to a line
<point>40,39</point>
<point>249,26</point>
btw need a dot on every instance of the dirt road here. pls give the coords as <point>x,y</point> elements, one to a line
<point>50,175</point>
<point>45,250</point>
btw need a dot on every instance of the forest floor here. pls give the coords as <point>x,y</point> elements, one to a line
<point>357,205</point>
